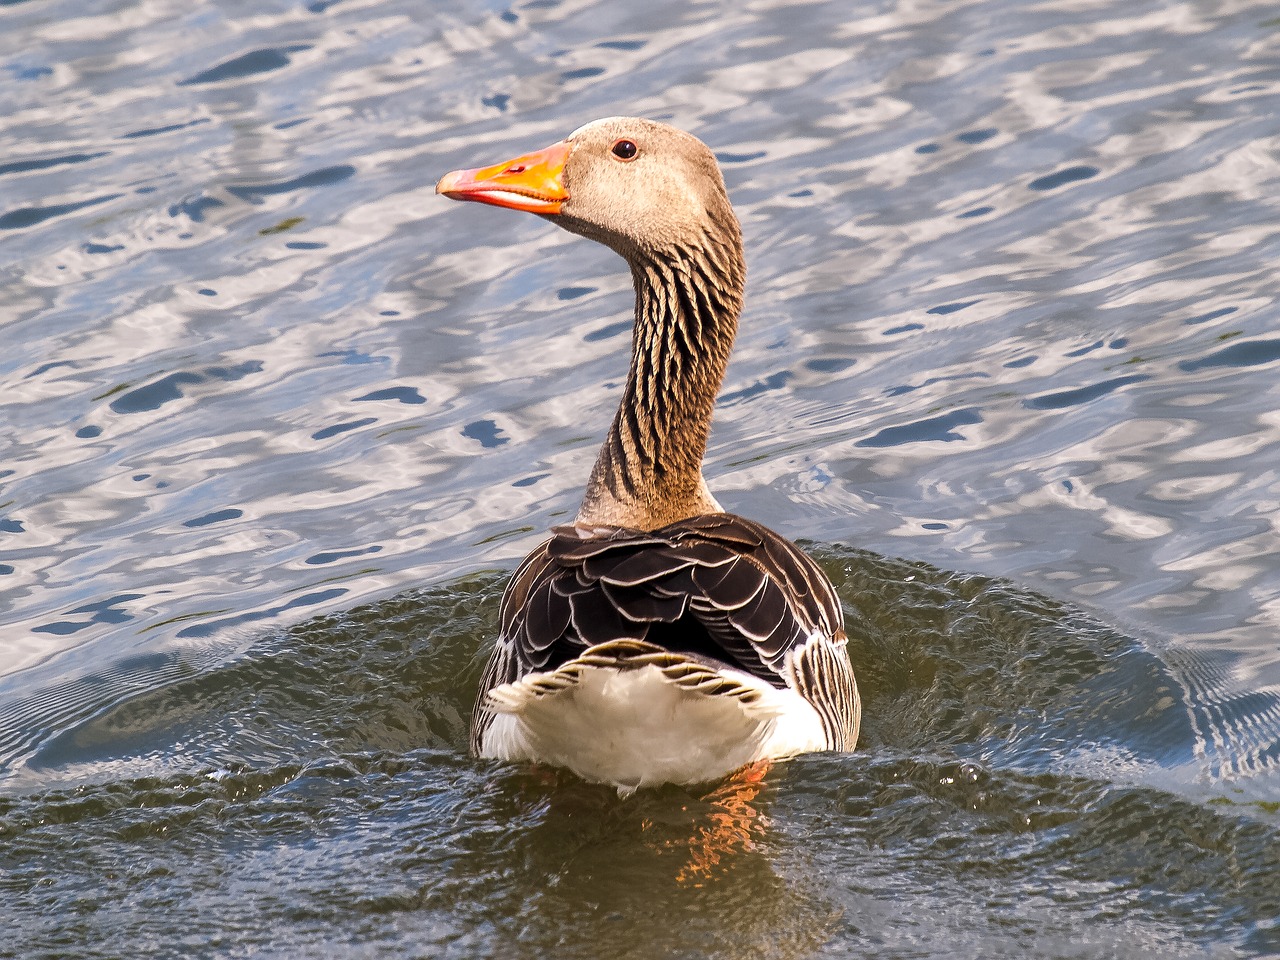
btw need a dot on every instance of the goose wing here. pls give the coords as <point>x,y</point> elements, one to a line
<point>717,588</point>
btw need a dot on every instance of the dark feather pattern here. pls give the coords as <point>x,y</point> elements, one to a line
<point>718,605</point>
<point>717,588</point>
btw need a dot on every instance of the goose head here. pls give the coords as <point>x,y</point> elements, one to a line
<point>645,189</point>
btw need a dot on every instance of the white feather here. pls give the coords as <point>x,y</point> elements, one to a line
<point>637,727</point>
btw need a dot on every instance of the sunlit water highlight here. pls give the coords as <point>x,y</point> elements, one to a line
<point>277,420</point>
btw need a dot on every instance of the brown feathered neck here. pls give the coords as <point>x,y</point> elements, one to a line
<point>688,298</point>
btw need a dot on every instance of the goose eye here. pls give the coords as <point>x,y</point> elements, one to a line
<point>625,150</point>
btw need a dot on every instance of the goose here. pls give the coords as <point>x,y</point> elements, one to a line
<point>657,639</point>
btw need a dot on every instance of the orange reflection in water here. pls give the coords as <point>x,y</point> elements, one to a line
<point>730,826</point>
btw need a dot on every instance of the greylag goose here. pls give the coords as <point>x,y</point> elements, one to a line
<point>657,639</point>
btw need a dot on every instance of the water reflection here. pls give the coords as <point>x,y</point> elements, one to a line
<point>1010,742</point>
<point>663,871</point>
<point>1011,312</point>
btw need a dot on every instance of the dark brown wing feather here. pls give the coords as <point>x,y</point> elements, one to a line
<point>717,586</point>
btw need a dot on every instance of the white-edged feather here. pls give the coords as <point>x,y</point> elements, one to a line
<point>636,721</point>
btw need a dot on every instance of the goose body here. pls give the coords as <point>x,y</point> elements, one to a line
<point>657,639</point>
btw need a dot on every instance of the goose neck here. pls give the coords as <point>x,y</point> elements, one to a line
<point>649,471</point>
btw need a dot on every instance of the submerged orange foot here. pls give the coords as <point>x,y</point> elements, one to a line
<point>731,823</point>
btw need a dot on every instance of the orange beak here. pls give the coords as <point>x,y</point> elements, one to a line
<point>534,182</point>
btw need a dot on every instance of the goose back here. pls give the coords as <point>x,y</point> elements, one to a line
<point>717,589</point>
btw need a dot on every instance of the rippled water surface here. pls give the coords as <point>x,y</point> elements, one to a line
<point>277,421</point>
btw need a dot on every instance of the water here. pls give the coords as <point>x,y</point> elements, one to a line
<point>277,421</point>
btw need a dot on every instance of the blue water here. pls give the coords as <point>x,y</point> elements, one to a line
<point>276,421</point>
